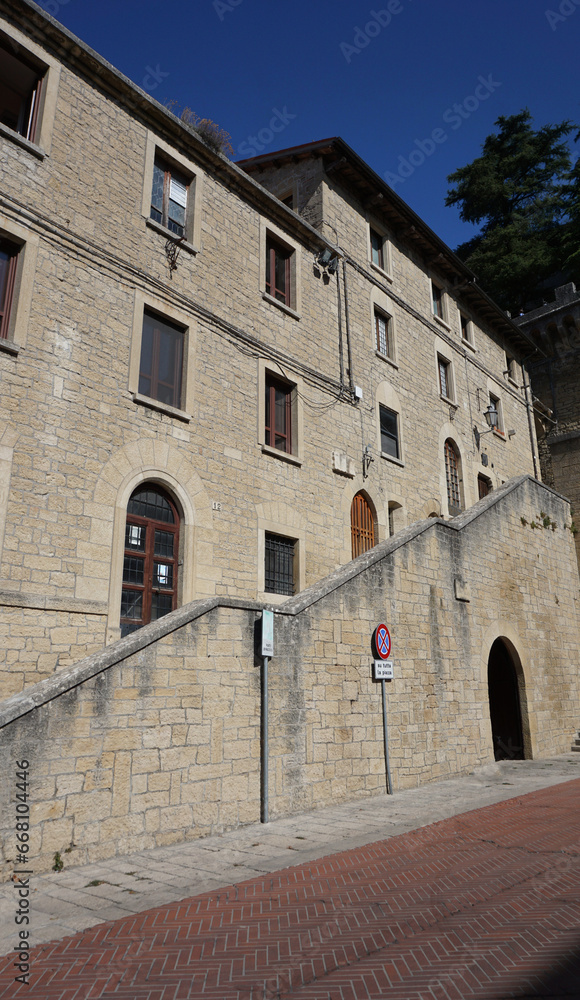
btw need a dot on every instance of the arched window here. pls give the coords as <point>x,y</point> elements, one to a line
<point>362,525</point>
<point>452,473</point>
<point>150,562</point>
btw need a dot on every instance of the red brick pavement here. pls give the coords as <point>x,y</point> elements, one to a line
<point>484,905</point>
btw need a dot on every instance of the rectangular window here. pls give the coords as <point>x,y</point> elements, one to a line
<point>383,333</point>
<point>377,249</point>
<point>169,197</point>
<point>484,486</point>
<point>494,401</point>
<point>161,364</point>
<point>278,276</point>
<point>466,330</point>
<point>445,380</point>
<point>8,263</point>
<point>279,564</point>
<point>389,432</point>
<point>437,294</point>
<point>511,368</point>
<point>278,414</point>
<point>20,93</point>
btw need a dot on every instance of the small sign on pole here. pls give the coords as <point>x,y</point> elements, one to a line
<point>267,633</point>
<point>383,670</point>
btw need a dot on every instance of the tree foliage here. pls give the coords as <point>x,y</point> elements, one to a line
<point>524,193</point>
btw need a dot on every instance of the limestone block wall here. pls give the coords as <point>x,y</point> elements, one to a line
<point>156,739</point>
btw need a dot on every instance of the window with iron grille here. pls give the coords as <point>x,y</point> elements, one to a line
<point>21,85</point>
<point>377,249</point>
<point>169,197</point>
<point>445,380</point>
<point>452,476</point>
<point>150,559</point>
<point>279,564</point>
<point>437,294</point>
<point>278,271</point>
<point>383,333</point>
<point>389,432</point>
<point>8,263</point>
<point>160,369</point>
<point>278,413</point>
<point>362,525</point>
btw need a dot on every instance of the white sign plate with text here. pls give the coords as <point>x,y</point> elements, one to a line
<point>383,670</point>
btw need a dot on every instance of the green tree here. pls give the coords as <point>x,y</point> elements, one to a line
<point>521,192</point>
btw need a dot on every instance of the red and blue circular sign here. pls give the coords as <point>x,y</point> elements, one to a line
<point>382,642</point>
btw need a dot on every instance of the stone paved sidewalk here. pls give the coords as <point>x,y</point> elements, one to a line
<point>73,900</point>
<point>485,904</point>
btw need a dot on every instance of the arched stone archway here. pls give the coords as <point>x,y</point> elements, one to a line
<point>507,703</point>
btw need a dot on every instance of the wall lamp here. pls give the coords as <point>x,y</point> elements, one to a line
<point>492,420</point>
<point>328,260</point>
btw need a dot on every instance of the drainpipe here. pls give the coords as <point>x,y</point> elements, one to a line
<point>530,410</point>
<point>347,324</point>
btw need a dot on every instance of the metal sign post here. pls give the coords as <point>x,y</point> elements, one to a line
<point>267,650</point>
<point>383,671</point>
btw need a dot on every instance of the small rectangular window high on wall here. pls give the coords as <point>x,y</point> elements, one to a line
<point>279,568</point>
<point>278,272</point>
<point>377,249</point>
<point>169,197</point>
<point>437,295</point>
<point>8,264</point>
<point>20,92</point>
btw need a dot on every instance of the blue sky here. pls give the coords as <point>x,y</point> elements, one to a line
<point>414,86</point>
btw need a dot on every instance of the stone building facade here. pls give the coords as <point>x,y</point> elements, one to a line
<point>555,329</point>
<point>229,386</point>
<point>144,343</point>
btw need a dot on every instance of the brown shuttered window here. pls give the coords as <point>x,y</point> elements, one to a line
<point>8,262</point>
<point>362,525</point>
<point>278,275</point>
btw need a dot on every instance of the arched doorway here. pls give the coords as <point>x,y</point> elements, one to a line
<point>505,708</point>
<point>150,558</point>
<point>362,525</point>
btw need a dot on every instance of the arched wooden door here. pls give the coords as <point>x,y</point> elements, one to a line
<point>362,525</point>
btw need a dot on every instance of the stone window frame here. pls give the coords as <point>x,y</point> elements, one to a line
<point>386,270</point>
<point>49,72</point>
<point>144,302</point>
<point>380,302</point>
<point>134,478</point>
<point>270,527</point>
<point>160,151</point>
<point>271,233</point>
<point>498,432</point>
<point>469,340</point>
<point>26,243</point>
<point>273,370</point>
<point>443,299</point>
<point>447,364</point>
<point>388,398</point>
